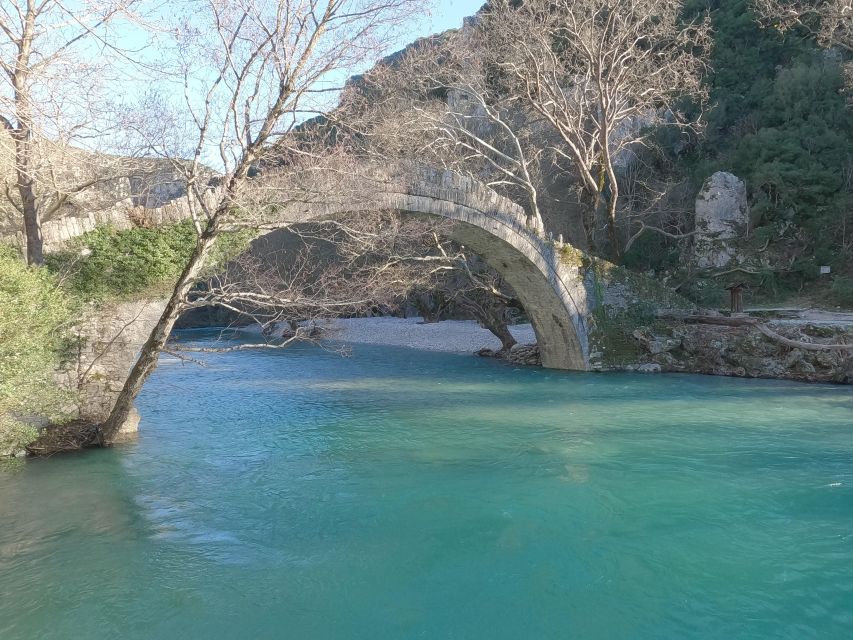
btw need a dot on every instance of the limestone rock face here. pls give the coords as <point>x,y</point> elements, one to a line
<point>722,217</point>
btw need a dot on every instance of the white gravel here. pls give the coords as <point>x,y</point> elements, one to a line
<point>457,336</point>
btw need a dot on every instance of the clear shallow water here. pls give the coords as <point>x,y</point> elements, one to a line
<point>401,494</point>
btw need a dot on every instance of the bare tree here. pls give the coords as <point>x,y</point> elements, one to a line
<point>260,68</point>
<point>438,101</point>
<point>55,57</point>
<point>471,286</point>
<point>829,21</point>
<point>600,72</point>
<point>538,90</point>
<point>305,273</point>
<point>653,198</point>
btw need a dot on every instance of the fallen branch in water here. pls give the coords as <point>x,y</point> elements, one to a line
<point>300,335</point>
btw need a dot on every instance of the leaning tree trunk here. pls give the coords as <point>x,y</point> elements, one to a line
<point>148,356</point>
<point>493,319</point>
<point>502,332</point>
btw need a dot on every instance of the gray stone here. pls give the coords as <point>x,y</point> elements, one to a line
<point>649,368</point>
<point>129,430</point>
<point>109,339</point>
<point>722,217</point>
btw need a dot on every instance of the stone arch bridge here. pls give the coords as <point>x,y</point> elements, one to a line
<point>558,286</point>
<point>554,294</point>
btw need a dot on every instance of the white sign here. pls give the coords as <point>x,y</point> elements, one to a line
<point>824,270</point>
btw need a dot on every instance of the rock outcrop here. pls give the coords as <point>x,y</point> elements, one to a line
<point>746,352</point>
<point>722,218</point>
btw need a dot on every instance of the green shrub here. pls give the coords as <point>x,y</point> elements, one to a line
<point>107,263</point>
<point>842,291</point>
<point>35,315</point>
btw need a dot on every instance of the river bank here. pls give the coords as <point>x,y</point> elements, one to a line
<point>673,347</point>
<point>662,347</point>
<point>451,336</point>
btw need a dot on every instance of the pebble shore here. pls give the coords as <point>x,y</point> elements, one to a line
<point>455,336</point>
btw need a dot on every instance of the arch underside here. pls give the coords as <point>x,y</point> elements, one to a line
<point>556,334</point>
<point>553,297</point>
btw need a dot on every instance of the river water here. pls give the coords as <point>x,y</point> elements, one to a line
<point>403,494</point>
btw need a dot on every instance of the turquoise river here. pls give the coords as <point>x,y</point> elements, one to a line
<point>399,494</point>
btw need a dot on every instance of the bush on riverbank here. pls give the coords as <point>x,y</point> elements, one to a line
<point>112,264</point>
<point>35,317</point>
<point>108,263</point>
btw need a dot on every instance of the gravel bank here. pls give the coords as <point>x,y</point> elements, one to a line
<point>458,336</point>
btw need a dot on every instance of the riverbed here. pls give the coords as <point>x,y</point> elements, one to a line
<point>401,494</point>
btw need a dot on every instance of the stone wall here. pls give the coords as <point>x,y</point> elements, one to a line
<point>124,215</point>
<point>108,341</point>
<point>152,197</point>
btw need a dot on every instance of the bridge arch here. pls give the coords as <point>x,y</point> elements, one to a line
<point>552,293</point>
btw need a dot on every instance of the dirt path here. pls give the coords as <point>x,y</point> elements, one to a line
<point>801,316</point>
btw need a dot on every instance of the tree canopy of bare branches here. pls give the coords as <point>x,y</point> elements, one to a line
<point>545,88</point>
<point>829,21</point>
<point>599,72</point>
<point>56,57</point>
<point>314,271</point>
<point>261,67</point>
<point>436,103</point>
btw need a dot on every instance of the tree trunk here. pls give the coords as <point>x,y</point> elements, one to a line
<point>32,223</point>
<point>502,332</point>
<point>148,356</point>
<point>756,323</point>
<point>429,305</point>
<point>612,233</point>
<point>23,136</point>
<point>492,318</point>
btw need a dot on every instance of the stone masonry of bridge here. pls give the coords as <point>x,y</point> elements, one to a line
<point>554,295</point>
<point>560,295</point>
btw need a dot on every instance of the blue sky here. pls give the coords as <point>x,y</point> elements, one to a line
<point>448,14</point>
<point>438,16</point>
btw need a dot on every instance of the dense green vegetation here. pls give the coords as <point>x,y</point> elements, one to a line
<point>780,119</point>
<point>111,264</point>
<point>35,315</point>
<point>38,306</point>
<point>108,263</point>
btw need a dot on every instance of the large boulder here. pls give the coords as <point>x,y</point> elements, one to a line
<point>722,218</point>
